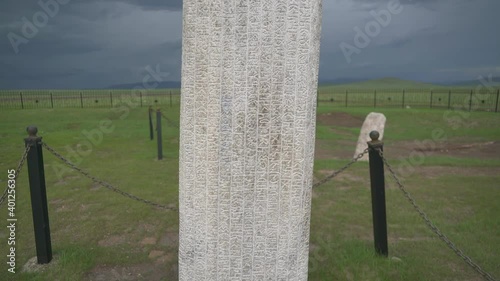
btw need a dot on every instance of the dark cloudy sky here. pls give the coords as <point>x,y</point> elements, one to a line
<point>98,43</point>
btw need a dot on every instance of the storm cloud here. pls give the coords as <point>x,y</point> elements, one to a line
<point>95,44</point>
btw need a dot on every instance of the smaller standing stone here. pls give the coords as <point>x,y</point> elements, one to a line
<point>373,122</point>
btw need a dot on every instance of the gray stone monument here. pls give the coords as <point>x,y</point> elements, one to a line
<point>373,122</point>
<point>248,111</point>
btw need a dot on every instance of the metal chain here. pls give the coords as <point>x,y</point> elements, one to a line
<point>103,183</point>
<point>18,170</point>
<point>170,122</point>
<point>334,174</point>
<point>433,227</point>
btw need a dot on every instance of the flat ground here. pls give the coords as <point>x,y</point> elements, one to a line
<point>100,235</point>
<point>454,147</point>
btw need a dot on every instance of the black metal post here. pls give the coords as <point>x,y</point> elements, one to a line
<point>470,100</point>
<point>38,192</point>
<point>431,100</point>
<point>51,101</point>
<point>403,105</point>
<point>111,98</point>
<point>449,99</point>
<point>151,134</point>
<point>22,103</point>
<point>81,99</point>
<point>170,98</point>
<point>375,99</point>
<point>378,194</point>
<point>158,134</point>
<point>496,105</point>
<point>346,93</point>
<point>140,95</point>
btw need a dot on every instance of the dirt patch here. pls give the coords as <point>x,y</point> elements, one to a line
<point>73,126</point>
<point>439,171</point>
<point>456,147</point>
<point>147,271</point>
<point>343,149</point>
<point>339,119</point>
<point>452,148</point>
<point>32,265</point>
<point>112,241</point>
<point>95,186</point>
<point>155,253</point>
<point>170,239</point>
<point>342,176</point>
<point>148,241</point>
<point>143,229</point>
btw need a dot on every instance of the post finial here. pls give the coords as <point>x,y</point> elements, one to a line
<point>374,135</point>
<point>32,131</point>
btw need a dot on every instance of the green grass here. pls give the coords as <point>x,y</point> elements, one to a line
<point>93,227</point>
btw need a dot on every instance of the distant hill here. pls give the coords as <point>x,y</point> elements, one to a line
<point>341,81</point>
<point>389,83</point>
<point>161,85</point>
<point>474,83</point>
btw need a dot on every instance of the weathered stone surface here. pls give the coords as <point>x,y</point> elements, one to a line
<point>373,122</point>
<point>249,81</point>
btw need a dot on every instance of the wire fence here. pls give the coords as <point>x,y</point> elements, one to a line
<point>487,276</point>
<point>34,99</point>
<point>484,99</point>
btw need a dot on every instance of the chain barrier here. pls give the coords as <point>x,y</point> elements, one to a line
<point>170,122</point>
<point>336,173</point>
<point>433,227</point>
<point>103,183</point>
<point>18,170</point>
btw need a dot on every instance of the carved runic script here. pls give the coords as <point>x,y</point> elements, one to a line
<point>248,111</point>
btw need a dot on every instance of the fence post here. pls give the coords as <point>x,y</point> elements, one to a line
<point>158,134</point>
<point>403,105</point>
<point>22,103</point>
<point>375,99</point>
<point>431,100</point>
<point>378,194</point>
<point>449,98</point>
<point>38,192</point>
<point>345,98</point>
<point>81,99</point>
<point>51,101</point>
<point>170,98</point>
<point>140,95</point>
<point>111,98</point>
<point>150,111</point>
<point>496,105</point>
<point>470,100</point>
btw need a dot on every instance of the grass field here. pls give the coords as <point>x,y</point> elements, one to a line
<point>100,235</point>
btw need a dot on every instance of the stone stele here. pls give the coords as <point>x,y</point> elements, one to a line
<point>373,121</point>
<point>248,111</point>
